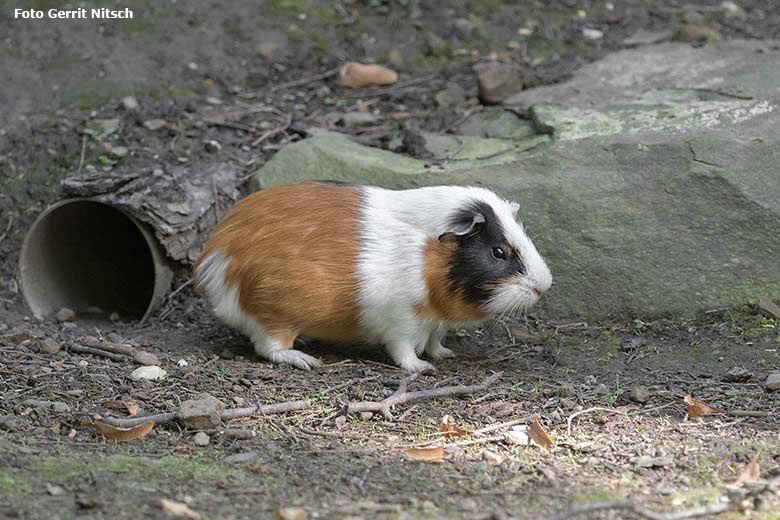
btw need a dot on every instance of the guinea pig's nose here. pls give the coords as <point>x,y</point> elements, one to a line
<point>537,290</point>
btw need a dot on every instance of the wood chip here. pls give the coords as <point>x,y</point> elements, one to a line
<point>179,509</point>
<point>124,434</point>
<point>425,454</point>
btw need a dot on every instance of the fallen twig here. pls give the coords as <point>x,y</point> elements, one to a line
<point>233,413</point>
<point>588,410</point>
<point>96,352</point>
<point>494,427</point>
<point>7,228</point>
<point>748,413</point>
<point>108,346</point>
<point>709,509</point>
<point>402,396</point>
<point>303,81</point>
<point>736,502</point>
<point>272,132</point>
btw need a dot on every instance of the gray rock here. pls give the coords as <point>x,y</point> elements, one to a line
<point>450,96</point>
<point>498,81</point>
<point>656,178</point>
<point>497,122</point>
<point>639,394</point>
<point>201,413</point>
<point>59,407</point>
<point>145,358</point>
<point>359,118</point>
<point>65,314</point>
<point>155,124</point>
<point>772,382</point>
<point>119,151</point>
<point>737,375</point>
<point>10,422</point>
<point>645,37</point>
<point>241,457</point>
<point>50,346</point>
<point>201,439</point>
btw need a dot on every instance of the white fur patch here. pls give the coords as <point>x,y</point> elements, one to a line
<point>431,209</point>
<point>223,299</point>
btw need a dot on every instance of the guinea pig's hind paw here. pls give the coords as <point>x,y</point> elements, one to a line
<point>295,358</point>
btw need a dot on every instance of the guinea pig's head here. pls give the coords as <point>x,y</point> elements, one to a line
<point>492,262</point>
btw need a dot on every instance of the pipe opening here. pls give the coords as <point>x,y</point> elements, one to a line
<point>86,255</point>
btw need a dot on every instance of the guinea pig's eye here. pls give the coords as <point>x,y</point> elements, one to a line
<point>499,253</point>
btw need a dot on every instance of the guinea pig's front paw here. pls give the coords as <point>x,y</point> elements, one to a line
<point>437,351</point>
<point>417,365</point>
<point>295,358</point>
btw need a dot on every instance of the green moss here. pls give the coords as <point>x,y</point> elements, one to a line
<point>296,35</point>
<point>326,15</point>
<point>289,8</point>
<point>484,7</point>
<point>319,41</point>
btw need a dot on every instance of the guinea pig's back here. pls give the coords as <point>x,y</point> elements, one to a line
<point>286,256</point>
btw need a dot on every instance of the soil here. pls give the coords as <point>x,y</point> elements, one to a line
<point>242,75</point>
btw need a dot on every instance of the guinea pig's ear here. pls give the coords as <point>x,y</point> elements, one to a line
<point>462,227</point>
<point>515,207</point>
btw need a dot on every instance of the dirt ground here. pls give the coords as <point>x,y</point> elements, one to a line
<point>206,68</point>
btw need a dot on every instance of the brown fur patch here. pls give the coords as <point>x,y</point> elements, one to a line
<point>444,302</point>
<point>292,251</point>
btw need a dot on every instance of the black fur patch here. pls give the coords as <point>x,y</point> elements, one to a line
<point>473,268</point>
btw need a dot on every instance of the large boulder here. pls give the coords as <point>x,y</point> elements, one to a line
<point>659,193</point>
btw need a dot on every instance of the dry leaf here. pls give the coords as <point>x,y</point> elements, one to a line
<point>425,454</point>
<point>130,406</point>
<point>179,509</point>
<point>448,427</point>
<point>751,473</point>
<point>697,408</point>
<point>357,75</point>
<point>538,435</point>
<point>124,434</point>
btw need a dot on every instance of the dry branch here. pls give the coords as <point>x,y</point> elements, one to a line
<point>96,352</point>
<point>402,396</point>
<point>234,413</point>
<point>736,502</point>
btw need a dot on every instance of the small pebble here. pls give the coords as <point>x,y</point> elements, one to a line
<point>155,124</point>
<point>58,407</point>
<point>291,513</point>
<point>365,416</point>
<point>130,103</point>
<point>151,373</point>
<point>592,34</point>
<point>773,381</point>
<point>65,314</point>
<point>201,439</point>
<point>639,394</point>
<point>54,490</point>
<point>241,457</point>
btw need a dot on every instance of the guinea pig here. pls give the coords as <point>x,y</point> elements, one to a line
<point>347,263</point>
